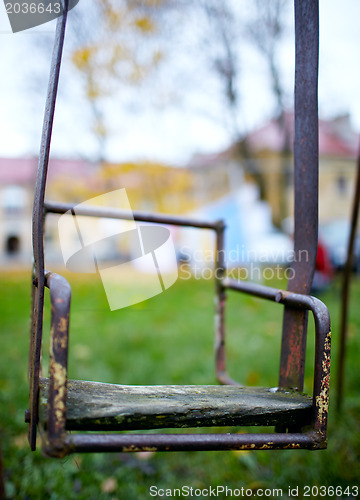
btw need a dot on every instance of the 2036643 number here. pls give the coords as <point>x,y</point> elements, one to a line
<point>331,491</point>
<point>32,8</point>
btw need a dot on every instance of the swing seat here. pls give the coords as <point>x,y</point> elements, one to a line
<point>82,406</point>
<point>94,406</point>
<point>81,416</point>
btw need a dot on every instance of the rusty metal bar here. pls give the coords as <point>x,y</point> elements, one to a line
<point>299,301</point>
<point>345,289</point>
<point>60,297</point>
<point>33,323</point>
<point>292,362</point>
<point>38,217</point>
<point>289,299</point>
<point>91,211</point>
<point>190,442</point>
<point>220,301</point>
<point>255,289</point>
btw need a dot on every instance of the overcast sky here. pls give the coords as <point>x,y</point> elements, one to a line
<point>170,134</point>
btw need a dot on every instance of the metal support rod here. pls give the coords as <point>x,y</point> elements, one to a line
<point>220,301</point>
<point>292,362</point>
<point>113,213</point>
<point>345,290</point>
<point>60,297</point>
<point>189,442</point>
<point>38,229</point>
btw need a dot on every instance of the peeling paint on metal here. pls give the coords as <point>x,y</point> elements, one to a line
<point>322,401</point>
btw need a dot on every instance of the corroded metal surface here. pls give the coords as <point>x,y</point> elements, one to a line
<point>189,442</point>
<point>60,296</point>
<point>220,301</point>
<point>306,160</point>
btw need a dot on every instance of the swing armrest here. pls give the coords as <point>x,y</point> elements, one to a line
<point>60,297</point>
<point>322,339</point>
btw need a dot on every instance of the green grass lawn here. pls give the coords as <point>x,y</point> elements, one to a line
<point>169,340</point>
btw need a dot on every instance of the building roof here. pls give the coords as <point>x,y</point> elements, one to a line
<point>22,171</point>
<point>337,138</point>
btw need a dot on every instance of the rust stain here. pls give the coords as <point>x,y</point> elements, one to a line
<point>322,401</point>
<point>58,373</point>
<point>267,446</point>
<point>62,325</point>
<point>59,377</point>
<point>292,446</point>
<point>248,446</point>
<point>61,342</point>
<point>294,356</point>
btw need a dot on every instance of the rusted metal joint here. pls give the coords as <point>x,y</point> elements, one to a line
<point>220,225</point>
<point>56,448</point>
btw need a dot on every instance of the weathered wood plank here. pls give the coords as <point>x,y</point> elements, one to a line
<point>98,406</point>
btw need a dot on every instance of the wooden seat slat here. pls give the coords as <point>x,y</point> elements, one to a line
<point>98,406</point>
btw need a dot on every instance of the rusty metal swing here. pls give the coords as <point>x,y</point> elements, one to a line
<point>58,405</point>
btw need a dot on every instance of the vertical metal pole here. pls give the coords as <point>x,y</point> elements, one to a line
<point>220,298</point>
<point>38,223</point>
<point>345,290</point>
<point>220,301</point>
<point>306,188</point>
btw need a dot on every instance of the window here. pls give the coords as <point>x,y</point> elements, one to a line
<point>13,245</point>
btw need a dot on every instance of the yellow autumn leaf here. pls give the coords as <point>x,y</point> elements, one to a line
<point>83,57</point>
<point>144,24</point>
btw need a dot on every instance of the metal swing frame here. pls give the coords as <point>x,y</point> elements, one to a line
<point>296,300</point>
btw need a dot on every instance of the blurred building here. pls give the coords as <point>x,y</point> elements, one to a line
<point>150,187</point>
<point>258,169</point>
<point>265,158</point>
<point>17,182</point>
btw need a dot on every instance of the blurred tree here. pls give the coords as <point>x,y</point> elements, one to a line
<point>221,39</point>
<point>224,30</point>
<point>122,50</point>
<point>117,45</point>
<point>263,26</point>
<point>266,30</point>
<point>152,186</point>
